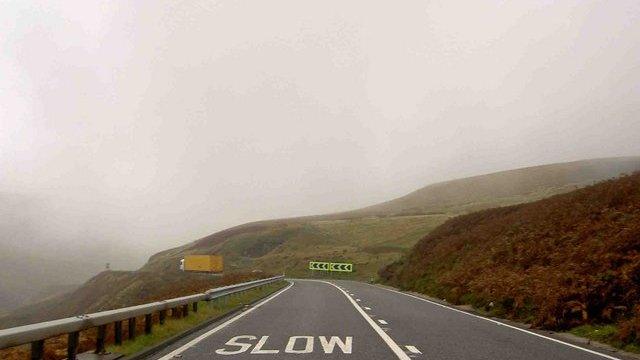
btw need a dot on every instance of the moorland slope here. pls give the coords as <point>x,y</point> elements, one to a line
<point>378,235</point>
<point>370,238</point>
<point>564,261</point>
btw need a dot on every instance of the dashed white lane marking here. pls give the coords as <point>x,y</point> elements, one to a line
<point>184,347</point>
<point>412,349</point>
<point>367,308</point>
<point>358,300</point>
<point>383,322</point>
<point>502,324</point>
<point>385,337</point>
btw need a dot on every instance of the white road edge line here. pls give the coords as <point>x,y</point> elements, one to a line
<point>385,337</point>
<point>502,324</point>
<point>413,349</point>
<point>221,326</point>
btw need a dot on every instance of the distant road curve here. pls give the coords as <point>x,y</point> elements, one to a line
<point>314,319</point>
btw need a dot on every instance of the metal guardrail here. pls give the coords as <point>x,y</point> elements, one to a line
<point>37,333</point>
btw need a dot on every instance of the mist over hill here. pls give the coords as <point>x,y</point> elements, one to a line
<point>130,128</point>
<point>44,249</point>
<point>27,278</point>
<point>504,188</point>
<point>371,238</point>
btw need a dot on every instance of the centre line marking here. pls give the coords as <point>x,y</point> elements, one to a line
<point>385,337</point>
<point>413,349</point>
<point>383,322</point>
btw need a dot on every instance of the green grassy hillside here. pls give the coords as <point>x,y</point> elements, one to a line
<point>288,247</point>
<point>368,243</point>
<point>380,234</point>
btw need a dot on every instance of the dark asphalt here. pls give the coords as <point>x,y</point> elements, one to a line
<point>442,333</point>
<point>317,320</point>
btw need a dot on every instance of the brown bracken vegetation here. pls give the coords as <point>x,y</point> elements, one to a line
<point>557,263</point>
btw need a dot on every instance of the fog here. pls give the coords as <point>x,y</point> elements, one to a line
<point>130,127</point>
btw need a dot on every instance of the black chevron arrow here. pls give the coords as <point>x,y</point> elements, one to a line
<point>313,265</point>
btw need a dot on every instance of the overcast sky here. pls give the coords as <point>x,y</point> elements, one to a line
<point>130,127</point>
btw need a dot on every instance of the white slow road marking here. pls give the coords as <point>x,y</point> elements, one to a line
<point>385,337</point>
<point>221,326</point>
<point>383,322</point>
<point>242,343</point>
<point>413,349</point>
<point>502,324</point>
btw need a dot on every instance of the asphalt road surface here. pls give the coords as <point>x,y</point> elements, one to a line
<point>350,320</point>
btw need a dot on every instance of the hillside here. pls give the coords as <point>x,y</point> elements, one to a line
<point>116,289</point>
<point>27,273</point>
<point>375,236</point>
<point>558,263</point>
<point>26,278</point>
<point>369,238</point>
<point>502,188</point>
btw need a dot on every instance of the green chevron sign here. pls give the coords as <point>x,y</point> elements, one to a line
<point>341,267</point>
<point>317,265</point>
<point>325,266</point>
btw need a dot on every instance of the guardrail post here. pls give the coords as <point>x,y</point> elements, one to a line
<point>148,322</point>
<point>36,336</point>
<point>117,332</point>
<point>102,332</point>
<point>37,350</point>
<point>132,328</point>
<point>72,345</point>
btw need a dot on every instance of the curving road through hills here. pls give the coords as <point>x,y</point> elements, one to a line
<point>313,319</point>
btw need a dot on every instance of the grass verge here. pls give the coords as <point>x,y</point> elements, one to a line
<point>606,334</point>
<point>206,310</point>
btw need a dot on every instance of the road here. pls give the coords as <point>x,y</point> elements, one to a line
<point>312,319</point>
